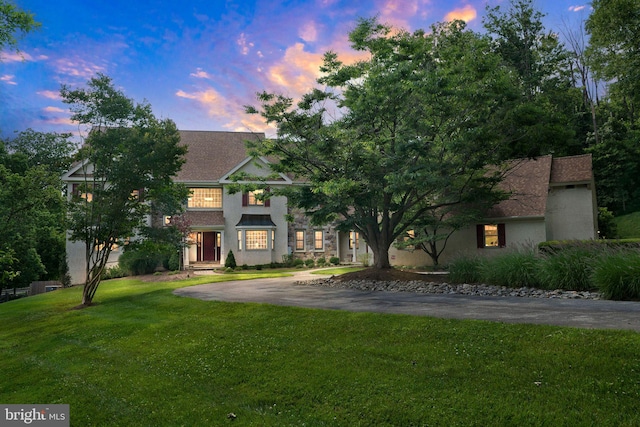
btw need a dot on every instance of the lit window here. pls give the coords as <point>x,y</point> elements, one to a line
<point>239,240</point>
<point>318,240</point>
<point>205,198</point>
<point>354,238</point>
<point>491,235</point>
<point>256,239</point>
<point>255,201</point>
<point>299,240</point>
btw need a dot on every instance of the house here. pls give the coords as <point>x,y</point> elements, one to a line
<point>551,199</point>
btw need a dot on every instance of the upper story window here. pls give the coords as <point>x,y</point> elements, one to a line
<point>205,198</point>
<point>254,198</point>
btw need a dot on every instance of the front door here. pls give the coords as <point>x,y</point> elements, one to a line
<point>211,243</point>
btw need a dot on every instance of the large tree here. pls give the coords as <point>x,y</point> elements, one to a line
<point>544,119</point>
<point>413,129</point>
<point>129,159</point>
<point>614,29</point>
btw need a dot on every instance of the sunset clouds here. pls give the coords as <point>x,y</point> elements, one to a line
<point>198,63</point>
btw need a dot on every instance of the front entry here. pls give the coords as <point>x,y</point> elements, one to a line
<point>209,243</point>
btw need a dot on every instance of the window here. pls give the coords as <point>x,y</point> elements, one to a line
<point>403,239</point>
<point>253,198</point>
<point>239,240</point>
<point>299,240</point>
<point>205,198</point>
<point>256,239</point>
<point>318,240</point>
<point>491,235</point>
<point>354,238</point>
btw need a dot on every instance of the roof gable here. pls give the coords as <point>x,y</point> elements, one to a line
<point>527,180</point>
<point>571,170</point>
<point>212,154</point>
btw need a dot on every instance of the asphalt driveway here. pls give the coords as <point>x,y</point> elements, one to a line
<point>561,312</point>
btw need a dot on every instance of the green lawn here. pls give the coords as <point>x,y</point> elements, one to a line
<point>628,225</point>
<point>144,357</point>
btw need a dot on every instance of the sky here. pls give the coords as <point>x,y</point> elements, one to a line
<point>199,62</point>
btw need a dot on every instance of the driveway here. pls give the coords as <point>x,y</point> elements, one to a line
<point>593,314</point>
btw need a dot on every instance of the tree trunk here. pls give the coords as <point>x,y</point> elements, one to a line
<point>381,256</point>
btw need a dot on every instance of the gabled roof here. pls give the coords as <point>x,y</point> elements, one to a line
<point>529,180</point>
<point>212,154</point>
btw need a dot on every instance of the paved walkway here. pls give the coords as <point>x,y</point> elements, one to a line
<point>561,312</point>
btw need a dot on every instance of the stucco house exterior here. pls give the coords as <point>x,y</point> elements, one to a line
<point>551,199</point>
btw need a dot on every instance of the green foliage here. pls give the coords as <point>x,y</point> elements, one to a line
<point>298,262</point>
<point>230,261</point>
<point>570,268</point>
<point>466,269</point>
<point>132,157</point>
<point>14,23</point>
<point>321,261</point>
<point>144,257</point>
<point>309,263</point>
<point>174,261</point>
<point>401,148</point>
<point>607,228</point>
<point>617,275</point>
<point>114,272</point>
<point>513,269</point>
<point>628,226</point>
<point>334,260</point>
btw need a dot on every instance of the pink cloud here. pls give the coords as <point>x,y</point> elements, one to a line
<point>8,79</point>
<point>50,109</point>
<point>577,8</point>
<point>200,74</point>
<point>50,94</point>
<point>309,32</point>
<point>467,13</point>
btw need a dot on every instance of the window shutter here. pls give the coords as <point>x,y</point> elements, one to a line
<point>480,235</point>
<point>502,236</point>
<point>245,199</point>
<point>267,202</point>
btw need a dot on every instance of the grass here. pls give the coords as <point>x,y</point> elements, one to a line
<point>337,270</point>
<point>628,225</point>
<point>143,356</point>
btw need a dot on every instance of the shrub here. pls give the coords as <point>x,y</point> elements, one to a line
<point>334,260</point>
<point>512,269</point>
<point>142,258</point>
<point>245,267</point>
<point>309,263</point>
<point>465,269</point>
<point>258,266</point>
<point>298,262</point>
<point>569,269</point>
<point>617,275</point>
<point>230,261</point>
<point>174,261</point>
<point>114,272</point>
<point>321,261</point>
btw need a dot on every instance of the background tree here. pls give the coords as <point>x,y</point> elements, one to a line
<point>418,126</point>
<point>614,29</point>
<point>129,159</point>
<point>32,211</point>
<point>14,23</point>
<point>543,119</point>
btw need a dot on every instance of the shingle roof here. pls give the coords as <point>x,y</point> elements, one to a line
<point>212,154</point>
<point>204,218</point>
<point>574,169</point>
<point>529,181</point>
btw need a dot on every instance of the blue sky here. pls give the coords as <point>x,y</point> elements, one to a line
<point>198,62</point>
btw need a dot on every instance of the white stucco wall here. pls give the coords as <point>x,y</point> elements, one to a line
<point>571,213</point>
<point>77,262</point>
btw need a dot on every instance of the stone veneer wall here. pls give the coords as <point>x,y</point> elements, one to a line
<point>300,222</point>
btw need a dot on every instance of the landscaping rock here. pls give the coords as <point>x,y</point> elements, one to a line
<point>449,288</point>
